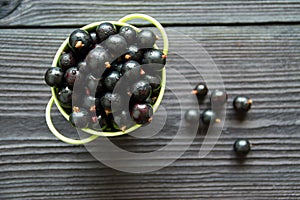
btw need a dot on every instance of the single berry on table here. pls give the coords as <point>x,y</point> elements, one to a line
<point>142,113</point>
<point>146,39</point>
<point>200,90</point>
<point>67,60</point>
<point>104,30</point>
<point>242,103</point>
<point>80,42</point>
<point>192,116</point>
<point>209,116</point>
<point>79,118</point>
<point>54,77</point>
<point>129,34</point>
<point>218,97</point>
<point>242,146</point>
<point>71,75</point>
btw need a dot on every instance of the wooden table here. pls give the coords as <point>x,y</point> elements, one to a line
<point>255,45</point>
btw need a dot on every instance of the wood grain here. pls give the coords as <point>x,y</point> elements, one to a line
<point>170,12</point>
<point>259,61</point>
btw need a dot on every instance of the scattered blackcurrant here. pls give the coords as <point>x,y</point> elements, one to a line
<point>116,45</point>
<point>218,97</point>
<point>209,116</point>
<point>141,90</point>
<point>108,99</point>
<point>242,146</point>
<point>200,90</point>
<point>242,103</point>
<point>192,116</point>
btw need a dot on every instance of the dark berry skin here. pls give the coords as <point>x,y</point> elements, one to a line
<point>97,61</point>
<point>154,81</point>
<point>192,116</point>
<point>67,60</point>
<point>242,104</point>
<point>94,38</point>
<point>70,76</point>
<point>54,77</point>
<point>82,67</point>
<point>200,90</point>
<point>134,53</point>
<point>64,96</point>
<point>91,83</point>
<point>104,30</point>
<point>89,103</point>
<point>153,60</point>
<point>218,97</point>
<point>111,80</point>
<point>131,69</point>
<point>146,39</point>
<point>79,119</point>
<point>141,90</point>
<point>208,116</point>
<point>80,42</point>
<point>129,34</point>
<point>117,66</point>
<point>142,113</point>
<point>242,146</point>
<point>108,99</point>
<point>116,45</point>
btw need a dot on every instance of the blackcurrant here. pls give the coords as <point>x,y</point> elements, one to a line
<point>54,77</point>
<point>141,90</point>
<point>155,82</point>
<point>92,83</point>
<point>208,115</point>
<point>97,61</point>
<point>108,99</point>
<point>134,53</point>
<point>242,103</point>
<point>218,97</point>
<point>116,45</point>
<point>146,39</point>
<point>192,116</point>
<point>104,30</point>
<point>64,96</point>
<point>89,102</point>
<point>200,90</point>
<point>79,118</point>
<point>142,113</point>
<point>242,146</point>
<point>70,76</point>
<point>67,60</point>
<point>153,60</point>
<point>111,80</point>
<point>94,37</point>
<point>117,66</point>
<point>80,42</point>
<point>131,69</point>
<point>128,33</point>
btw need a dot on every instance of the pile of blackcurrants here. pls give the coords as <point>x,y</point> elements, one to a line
<point>109,77</point>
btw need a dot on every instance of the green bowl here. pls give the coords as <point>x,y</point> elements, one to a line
<point>65,47</point>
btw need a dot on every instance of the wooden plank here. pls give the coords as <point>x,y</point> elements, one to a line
<point>78,13</point>
<point>261,62</point>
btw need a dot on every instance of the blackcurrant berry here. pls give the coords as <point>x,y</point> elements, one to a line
<point>129,34</point>
<point>67,60</point>
<point>131,69</point>
<point>154,81</point>
<point>141,90</point>
<point>82,67</point>
<point>104,30</point>
<point>116,45</point>
<point>64,96</point>
<point>208,115</point>
<point>70,76</point>
<point>200,90</point>
<point>89,102</point>
<point>134,53</point>
<point>242,146</point>
<point>192,116</point>
<point>111,80</point>
<point>146,39</point>
<point>79,118</point>
<point>92,83</point>
<point>142,113</point>
<point>153,60</point>
<point>218,97</point>
<point>80,42</point>
<point>94,37</point>
<point>108,99</point>
<point>242,103</point>
<point>97,61</point>
<point>117,66</point>
<point>54,77</point>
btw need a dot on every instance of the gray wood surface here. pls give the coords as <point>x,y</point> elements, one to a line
<point>171,12</point>
<point>259,61</point>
